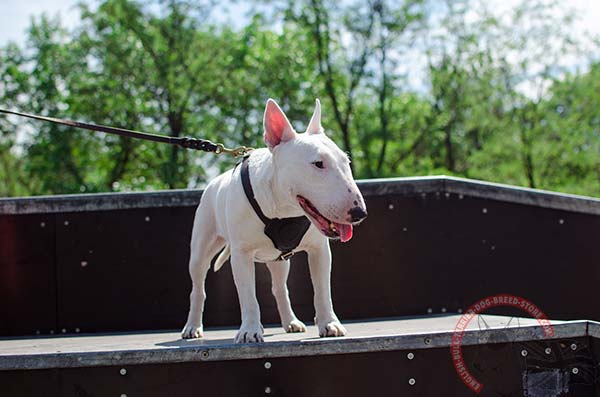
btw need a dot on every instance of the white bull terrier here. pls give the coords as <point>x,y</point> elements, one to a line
<point>298,175</point>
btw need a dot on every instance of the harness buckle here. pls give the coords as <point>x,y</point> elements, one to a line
<point>286,255</point>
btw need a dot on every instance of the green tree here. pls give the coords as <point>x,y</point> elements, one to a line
<point>571,127</point>
<point>346,43</point>
<point>489,77</point>
<point>152,72</point>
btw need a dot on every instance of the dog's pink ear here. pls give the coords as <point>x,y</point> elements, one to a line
<point>277,127</point>
<point>314,127</point>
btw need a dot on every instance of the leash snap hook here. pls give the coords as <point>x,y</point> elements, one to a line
<point>237,152</point>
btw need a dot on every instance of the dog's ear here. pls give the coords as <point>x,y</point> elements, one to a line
<point>314,127</point>
<point>277,127</point>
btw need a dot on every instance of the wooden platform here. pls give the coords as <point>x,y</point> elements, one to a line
<point>368,336</point>
<point>437,245</point>
<point>402,356</point>
<point>70,273</point>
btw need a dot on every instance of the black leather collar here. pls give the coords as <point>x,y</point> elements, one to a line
<point>285,233</point>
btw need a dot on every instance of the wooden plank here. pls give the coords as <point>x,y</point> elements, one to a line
<point>501,367</point>
<point>38,383</point>
<point>442,253</point>
<point>123,270</point>
<point>410,186</point>
<point>27,274</point>
<point>167,347</point>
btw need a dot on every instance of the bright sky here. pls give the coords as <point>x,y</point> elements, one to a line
<point>15,18</point>
<point>15,15</point>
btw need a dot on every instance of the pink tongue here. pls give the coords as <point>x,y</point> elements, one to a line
<point>345,232</point>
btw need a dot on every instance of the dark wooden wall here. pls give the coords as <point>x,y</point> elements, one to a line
<point>418,252</point>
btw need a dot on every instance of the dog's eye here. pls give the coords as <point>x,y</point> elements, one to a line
<point>318,164</point>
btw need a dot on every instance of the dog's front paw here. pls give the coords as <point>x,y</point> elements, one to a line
<point>192,332</point>
<point>249,334</point>
<point>331,328</point>
<point>295,326</point>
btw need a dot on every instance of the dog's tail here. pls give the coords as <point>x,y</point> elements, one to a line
<point>222,258</point>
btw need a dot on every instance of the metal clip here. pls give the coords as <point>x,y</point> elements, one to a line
<point>286,255</point>
<point>237,152</point>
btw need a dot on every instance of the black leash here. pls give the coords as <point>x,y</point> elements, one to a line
<point>186,142</point>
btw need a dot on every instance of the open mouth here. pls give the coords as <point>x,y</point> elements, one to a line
<point>329,228</point>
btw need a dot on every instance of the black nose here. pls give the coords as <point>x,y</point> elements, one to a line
<point>357,214</point>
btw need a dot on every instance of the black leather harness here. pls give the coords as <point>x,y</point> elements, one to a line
<point>285,233</point>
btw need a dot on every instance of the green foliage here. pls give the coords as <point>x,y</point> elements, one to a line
<point>571,129</point>
<point>496,102</point>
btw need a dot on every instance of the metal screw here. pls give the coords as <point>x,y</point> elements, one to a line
<point>447,194</point>
<point>64,331</point>
<point>443,310</point>
<point>268,390</point>
<point>43,224</point>
<point>66,223</point>
<point>484,210</point>
<point>575,371</point>
<point>429,310</point>
<point>77,330</point>
<point>524,353</point>
<point>423,195</point>
<point>412,381</point>
<point>427,341</point>
<point>460,196</point>
<point>548,350</point>
<point>37,332</point>
<point>84,263</point>
<point>267,365</point>
<point>573,346</point>
<point>410,356</point>
<point>391,206</point>
<point>404,229</point>
<point>123,395</point>
<point>147,219</point>
<point>51,332</point>
<point>204,354</point>
<point>123,371</point>
<point>561,221</point>
<point>493,247</point>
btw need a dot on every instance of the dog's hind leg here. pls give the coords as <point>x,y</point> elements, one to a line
<point>204,246</point>
<point>279,275</point>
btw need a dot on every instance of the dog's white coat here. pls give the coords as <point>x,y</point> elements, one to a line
<point>225,218</point>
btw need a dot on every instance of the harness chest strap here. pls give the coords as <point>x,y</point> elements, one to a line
<point>285,233</point>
